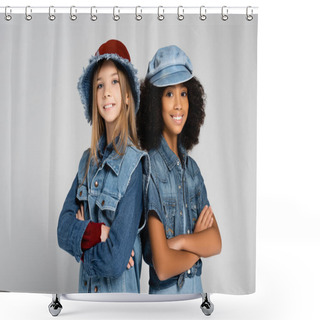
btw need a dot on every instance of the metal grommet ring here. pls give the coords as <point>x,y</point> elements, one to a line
<point>28,16</point>
<point>249,17</point>
<point>93,17</point>
<point>224,13</point>
<point>52,17</point>
<point>73,16</point>
<point>116,17</point>
<point>160,16</point>
<point>8,17</point>
<point>203,15</point>
<point>138,16</point>
<point>180,15</point>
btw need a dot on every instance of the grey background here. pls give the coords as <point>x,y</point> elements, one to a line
<point>43,133</point>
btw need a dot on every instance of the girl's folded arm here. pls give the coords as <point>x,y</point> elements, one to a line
<point>166,262</point>
<point>205,241</point>
<point>205,244</point>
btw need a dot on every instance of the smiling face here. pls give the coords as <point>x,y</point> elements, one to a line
<point>108,94</point>
<point>175,106</point>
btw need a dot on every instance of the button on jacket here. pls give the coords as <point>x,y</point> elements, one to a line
<point>177,194</point>
<point>111,193</point>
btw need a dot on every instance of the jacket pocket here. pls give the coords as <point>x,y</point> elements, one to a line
<point>107,208</point>
<point>107,202</point>
<point>170,208</point>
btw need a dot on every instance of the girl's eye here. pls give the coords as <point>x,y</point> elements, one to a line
<point>169,94</point>
<point>115,81</point>
<point>99,86</point>
<point>184,94</point>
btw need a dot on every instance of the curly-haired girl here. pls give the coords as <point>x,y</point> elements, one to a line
<point>181,227</point>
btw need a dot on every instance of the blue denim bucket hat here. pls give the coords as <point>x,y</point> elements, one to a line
<point>116,51</point>
<point>169,66</point>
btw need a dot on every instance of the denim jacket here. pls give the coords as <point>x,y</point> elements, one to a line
<point>177,194</point>
<point>112,193</point>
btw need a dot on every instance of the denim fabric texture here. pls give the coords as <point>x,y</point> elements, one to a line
<point>111,193</point>
<point>192,284</point>
<point>177,194</point>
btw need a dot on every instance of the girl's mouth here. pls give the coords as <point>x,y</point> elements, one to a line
<point>108,106</point>
<point>177,119</point>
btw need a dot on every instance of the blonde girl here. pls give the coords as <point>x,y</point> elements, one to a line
<point>100,219</point>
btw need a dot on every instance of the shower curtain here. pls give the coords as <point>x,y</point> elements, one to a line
<point>43,133</point>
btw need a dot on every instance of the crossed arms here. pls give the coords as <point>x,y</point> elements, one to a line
<point>173,256</point>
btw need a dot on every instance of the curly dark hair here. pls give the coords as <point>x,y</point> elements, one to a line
<point>149,117</point>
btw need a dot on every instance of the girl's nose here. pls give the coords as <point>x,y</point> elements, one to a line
<point>107,93</point>
<point>177,103</point>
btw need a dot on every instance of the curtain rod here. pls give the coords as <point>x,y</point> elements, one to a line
<point>128,10</point>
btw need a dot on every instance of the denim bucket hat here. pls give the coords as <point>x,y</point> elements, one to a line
<point>111,50</point>
<point>169,66</point>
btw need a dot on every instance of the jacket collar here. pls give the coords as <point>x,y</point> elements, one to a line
<point>169,157</point>
<point>109,156</point>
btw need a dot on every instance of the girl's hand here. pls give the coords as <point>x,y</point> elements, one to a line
<point>104,233</point>
<point>131,262</point>
<point>80,213</point>
<point>205,220</point>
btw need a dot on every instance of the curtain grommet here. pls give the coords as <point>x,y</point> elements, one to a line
<point>249,16</point>
<point>224,13</point>
<point>28,16</point>
<point>138,16</point>
<point>52,17</point>
<point>180,13</point>
<point>116,17</point>
<point>7,16</point>
<point>93,17</point>
<point>73,12</point>
<point>203,13</point>
<point>160,16</point>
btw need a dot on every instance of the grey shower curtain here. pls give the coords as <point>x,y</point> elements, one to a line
<point>43,134</point>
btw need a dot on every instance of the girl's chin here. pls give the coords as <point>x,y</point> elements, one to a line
<point>172,133</point>
<point>177,130</point>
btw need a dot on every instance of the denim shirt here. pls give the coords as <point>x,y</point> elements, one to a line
<point>177,194</point>
<point>112,193</point>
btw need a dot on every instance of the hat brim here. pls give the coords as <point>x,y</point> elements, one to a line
<point>170,76</point>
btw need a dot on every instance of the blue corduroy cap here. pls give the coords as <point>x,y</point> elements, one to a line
<point>169,66</point>
<point>116,51</point>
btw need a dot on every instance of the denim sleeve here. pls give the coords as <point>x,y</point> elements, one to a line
<point>110,258</point>
<point>70,229</point>
<point>154,200</point>
<point>153,204</point>
<point>203,193</point>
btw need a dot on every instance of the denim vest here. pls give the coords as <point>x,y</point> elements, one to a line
<point>100,192</point>
<point>177,194</point>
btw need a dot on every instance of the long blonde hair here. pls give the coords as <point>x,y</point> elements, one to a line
<point>125,126</point>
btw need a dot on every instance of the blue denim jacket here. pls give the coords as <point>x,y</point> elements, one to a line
<point>112,193</point>
<point>177,194</point>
